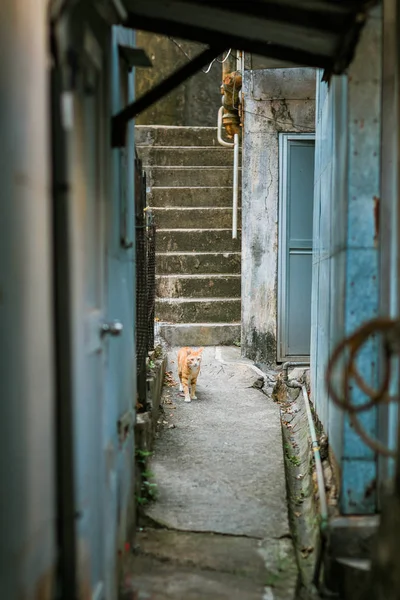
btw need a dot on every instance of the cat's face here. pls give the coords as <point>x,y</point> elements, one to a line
<point>194,359</point>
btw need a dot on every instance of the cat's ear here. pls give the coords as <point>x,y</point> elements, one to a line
<point>200,350</point>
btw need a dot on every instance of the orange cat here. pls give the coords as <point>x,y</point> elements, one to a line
<point>189,362</point>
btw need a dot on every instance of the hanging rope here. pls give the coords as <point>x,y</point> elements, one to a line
<point>348,351</point>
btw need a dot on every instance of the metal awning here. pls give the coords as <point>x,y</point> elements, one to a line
<point>315,33</point>
<point>312,33</point>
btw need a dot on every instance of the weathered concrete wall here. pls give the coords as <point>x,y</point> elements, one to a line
<point>346,255</point>
<point>194,103</point>
<point>278,100</point>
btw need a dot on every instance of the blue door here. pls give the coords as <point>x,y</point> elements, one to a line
<point>295,246</point>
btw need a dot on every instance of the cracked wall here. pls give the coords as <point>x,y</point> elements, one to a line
<point>275,100</point>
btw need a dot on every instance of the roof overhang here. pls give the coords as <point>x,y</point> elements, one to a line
<point>314,33</point>
<point>308,33</point>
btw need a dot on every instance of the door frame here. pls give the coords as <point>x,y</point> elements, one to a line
<point>284,139</point>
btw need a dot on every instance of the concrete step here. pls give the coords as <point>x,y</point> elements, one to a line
<point>197,240</point>
<point>353,578</point>
<point>190,176</point>
<point>353,537</point>
<point>198,286</point>
<point>200,334</point>
<point>162,135</point>
<point>163,156</point>
<point>351,542</point>
<point>191,196</point>
<point>199,310</point>
<point>198,262</point>
<point>194,218</point>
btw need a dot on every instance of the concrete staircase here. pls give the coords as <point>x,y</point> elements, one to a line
<point>189,180</point>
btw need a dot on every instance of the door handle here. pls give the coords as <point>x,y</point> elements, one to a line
<point>113,328</point>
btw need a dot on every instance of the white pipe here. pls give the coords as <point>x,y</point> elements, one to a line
<point>235,185</point>
<point>285,368</point>
<point>219,130</point>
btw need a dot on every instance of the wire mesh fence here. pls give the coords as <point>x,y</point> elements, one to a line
<point>145,282</point>
<point>151,281</point>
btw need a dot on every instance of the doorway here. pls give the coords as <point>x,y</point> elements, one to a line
<point>296,199</point>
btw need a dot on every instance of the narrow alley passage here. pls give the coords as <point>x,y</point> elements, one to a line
<point>219,528</point>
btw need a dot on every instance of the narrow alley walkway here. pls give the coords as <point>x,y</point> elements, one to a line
<point>219,528</point>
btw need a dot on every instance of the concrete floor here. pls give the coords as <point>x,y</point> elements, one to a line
<point>219,529</point>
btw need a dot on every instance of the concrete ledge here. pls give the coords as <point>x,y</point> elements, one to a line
<point>146,424</point>
<point>303,509</point>
<point>155,383</point>
<point>200,334</point>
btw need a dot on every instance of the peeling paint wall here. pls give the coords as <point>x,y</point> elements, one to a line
<point>195,102</point>
<point>275,100</point>
<point>346,254</point>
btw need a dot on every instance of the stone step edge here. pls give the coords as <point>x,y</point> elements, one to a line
<point>200,275</point>
<point>193,187</point>
<point>219,324</point>
<point>187,208</point>
<point>180,127</point>
<point>192,167</point>
<point>200,300</point>
<point>195,253</point>
<point>219,147</point>
<point>195,229</point>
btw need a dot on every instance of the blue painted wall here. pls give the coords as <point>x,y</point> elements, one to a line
<point>120,397</point>
<point>346,260</point>
<point>102,250</point>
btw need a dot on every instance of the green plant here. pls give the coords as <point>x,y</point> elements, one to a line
<point>148,489</point>
<point>148,474</point>
<point>294,460</point>
<point>237,343</point>
<point>142,501</point>
<point>141,455</point>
